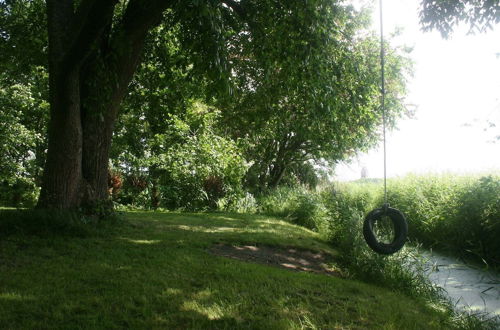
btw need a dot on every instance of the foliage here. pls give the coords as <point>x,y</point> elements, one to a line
<point>296,204</point>
<point>199,170</point>
<point>189,166</point>
<point>23,117</point>
<point>166,144</point>
<point>445,15</point>
<point>282,104</point>
<point>319,102</point>
<point>245,203</point>
<point>275,94</point>
<point>23,41</point>
<point>475,225</point>
<point>23,101</point>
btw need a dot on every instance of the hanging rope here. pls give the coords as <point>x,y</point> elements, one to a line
<point>382,97</point>
<point>397,218</point>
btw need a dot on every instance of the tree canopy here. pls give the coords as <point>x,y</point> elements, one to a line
<point>192,100</point>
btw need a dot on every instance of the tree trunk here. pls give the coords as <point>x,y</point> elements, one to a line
<point>63,168</point>
<point>90,68</point>
<point>276,175</point>
<point>62,173</point>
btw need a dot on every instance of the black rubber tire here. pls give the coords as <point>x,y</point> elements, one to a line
<point>400,228</point>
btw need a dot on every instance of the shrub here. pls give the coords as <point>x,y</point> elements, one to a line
<point>18,192</point>
<point>277,202</point>
<point>188,166</point>
<point>298,204</point>
<point>309,212</point>
<point>244,203</point>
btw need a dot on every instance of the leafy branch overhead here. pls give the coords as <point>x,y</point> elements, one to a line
<point>446,15</point>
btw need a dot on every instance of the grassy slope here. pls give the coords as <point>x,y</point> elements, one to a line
<point>153,271</point>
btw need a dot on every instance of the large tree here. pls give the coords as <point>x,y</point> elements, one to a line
<point>95,47</point>
<point>291,111</point>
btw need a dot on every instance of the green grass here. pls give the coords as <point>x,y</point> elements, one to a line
<point>153,271</point>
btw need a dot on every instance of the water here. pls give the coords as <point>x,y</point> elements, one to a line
<point>468,287</point>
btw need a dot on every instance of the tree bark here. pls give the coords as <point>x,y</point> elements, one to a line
<point>61,180</point>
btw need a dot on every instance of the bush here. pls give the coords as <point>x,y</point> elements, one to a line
<point>276,202</point>
<point>196,174</point>
<point>298,204</point>
<point>18,192</point>
<point>188,166</point>
<point>244,203</point>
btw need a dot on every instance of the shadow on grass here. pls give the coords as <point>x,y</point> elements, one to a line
<point>49,222</point>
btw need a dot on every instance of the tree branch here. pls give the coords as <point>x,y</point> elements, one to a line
<point>128,38</point>
<point>141,15</point>
<point>90,20</point>
<point>236,7</point>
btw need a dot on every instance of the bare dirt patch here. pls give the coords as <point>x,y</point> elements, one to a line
<point>288,258</point>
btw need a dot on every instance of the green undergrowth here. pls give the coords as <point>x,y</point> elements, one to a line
<point>454,214</point>
<point>152,270</point>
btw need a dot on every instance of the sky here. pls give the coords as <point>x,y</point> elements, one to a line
<point>456,87</point>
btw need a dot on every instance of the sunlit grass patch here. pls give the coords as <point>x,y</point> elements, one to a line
<point>12,296</point>
<point>142,241</point>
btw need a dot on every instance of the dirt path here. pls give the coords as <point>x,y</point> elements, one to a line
<point>288,258</point>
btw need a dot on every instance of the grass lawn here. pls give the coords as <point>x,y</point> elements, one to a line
<point>153,271</point>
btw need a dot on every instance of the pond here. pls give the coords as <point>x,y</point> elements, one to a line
<point>468,287</point>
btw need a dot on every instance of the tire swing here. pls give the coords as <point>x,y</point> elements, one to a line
<point>400,229</point>
<point>375,223</point>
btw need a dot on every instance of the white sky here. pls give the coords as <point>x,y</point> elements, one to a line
<point>456,87</point>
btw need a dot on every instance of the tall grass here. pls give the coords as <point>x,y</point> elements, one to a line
<point>459,214</point>
<point>456,214</point>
